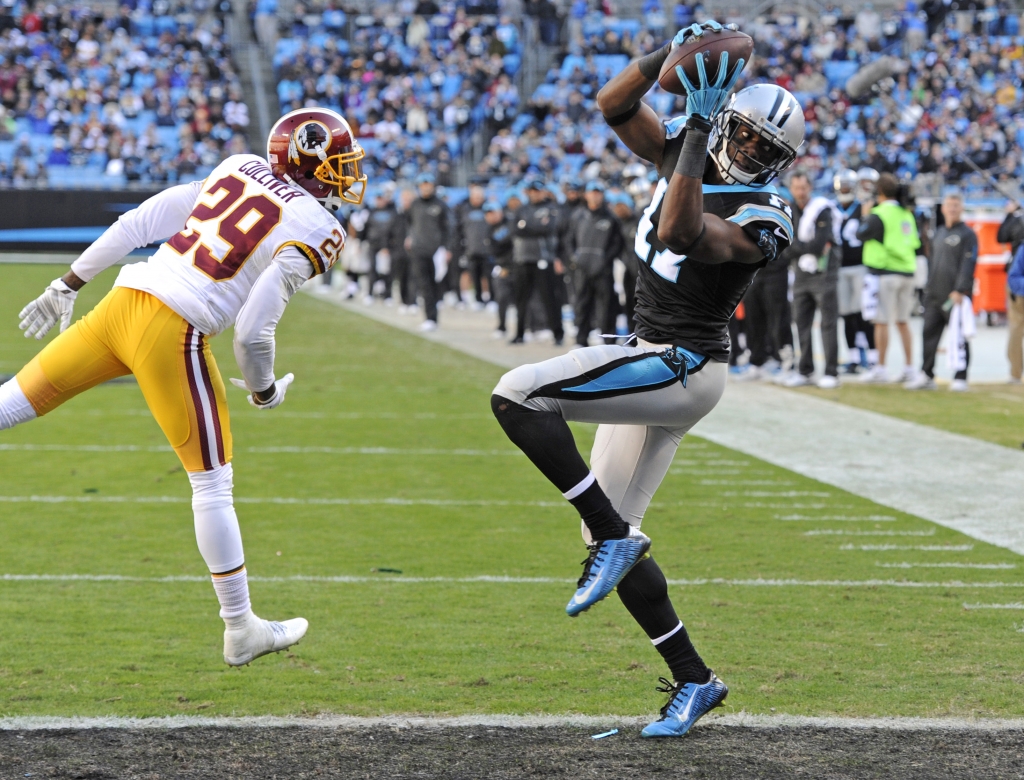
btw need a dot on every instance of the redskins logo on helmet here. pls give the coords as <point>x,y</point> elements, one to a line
<point>313,148</point>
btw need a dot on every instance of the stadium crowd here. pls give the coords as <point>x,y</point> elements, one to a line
<point>111,95</point>
<point>415,81</point>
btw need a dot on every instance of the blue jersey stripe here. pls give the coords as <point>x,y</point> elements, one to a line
<point>639,373</point>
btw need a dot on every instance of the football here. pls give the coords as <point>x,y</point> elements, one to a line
<point>709,46</point>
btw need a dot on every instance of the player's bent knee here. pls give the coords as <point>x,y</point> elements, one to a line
<point>517,384</point>
<point>212,489</point>
<point>15,407</point>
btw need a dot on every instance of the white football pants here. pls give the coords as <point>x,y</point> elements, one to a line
<point>639,427</point>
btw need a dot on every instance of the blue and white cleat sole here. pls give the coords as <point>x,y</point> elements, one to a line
<point>689,703</point>
<point>608,564</point>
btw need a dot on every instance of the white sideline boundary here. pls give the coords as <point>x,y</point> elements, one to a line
<point>398,722</point>
<point>503,580</point>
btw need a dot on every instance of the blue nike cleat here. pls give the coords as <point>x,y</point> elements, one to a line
<point>689,703</point>
<point>608,563</point>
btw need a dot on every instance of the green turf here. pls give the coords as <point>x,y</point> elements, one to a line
<point>378,647</point>
<point>994,413</point>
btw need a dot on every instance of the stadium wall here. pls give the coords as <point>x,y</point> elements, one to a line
<point>60,220</point>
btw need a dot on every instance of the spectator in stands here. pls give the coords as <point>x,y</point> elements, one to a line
<point>816,280</point>
<point>889,234</point>
<point>593,242</point>
<point>950,285</point>
<point>427,243</point>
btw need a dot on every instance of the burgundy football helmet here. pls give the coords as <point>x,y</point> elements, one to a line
<point>313,148</point>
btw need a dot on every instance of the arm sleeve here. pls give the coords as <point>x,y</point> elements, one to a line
<point>871,229</point>
<point>257,321</point>
<point>159,217</point>
<point>965,278</point>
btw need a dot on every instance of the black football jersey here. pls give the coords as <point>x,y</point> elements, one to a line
<point>679,299</point>
<point>853,249</point>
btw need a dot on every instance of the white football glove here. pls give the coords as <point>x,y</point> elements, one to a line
<point>280,388</point>
<point>56,303</point>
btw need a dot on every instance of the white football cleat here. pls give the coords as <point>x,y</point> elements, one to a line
<point>256,637</point>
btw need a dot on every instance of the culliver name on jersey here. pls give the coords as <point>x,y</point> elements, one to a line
<point>260,173</point>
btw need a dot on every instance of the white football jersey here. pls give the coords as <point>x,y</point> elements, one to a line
<point>241,219</point>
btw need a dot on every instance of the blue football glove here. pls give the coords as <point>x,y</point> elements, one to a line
<point>705,99</point>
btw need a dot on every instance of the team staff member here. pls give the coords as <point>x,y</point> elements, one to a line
<point>713,222</point>
<point>427,244</point>
<point>593,241</point>
<point>379,233</point>
<point>816,281</point>
<point>499,250</point>
<point>859,334</point>
<point>950,280</point>
<point>622,207</point>
<point>211,274</point>
<point>472,231</point>
<point>535,230</point>
<point>889,234</point>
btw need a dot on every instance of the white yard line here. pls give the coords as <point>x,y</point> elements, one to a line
<point>416,451</point>
<point>921,547</point>
<point>840,518</point>
<point>948,565</point>
<point>737,720</point>
<point>830,532</point>
<point>1016,605</point>
<point>505,580</point>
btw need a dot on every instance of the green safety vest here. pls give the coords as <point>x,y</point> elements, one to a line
<point>898,252</point>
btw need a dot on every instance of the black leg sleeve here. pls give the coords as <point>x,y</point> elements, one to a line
<point>545,438</point>
<point>644,593</point>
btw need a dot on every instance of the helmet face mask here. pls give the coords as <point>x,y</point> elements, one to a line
<point>314,149</point>
<point>844,183</point>
<point>757,136</point>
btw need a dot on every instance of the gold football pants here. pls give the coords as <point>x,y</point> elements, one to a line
<point>132,332</point>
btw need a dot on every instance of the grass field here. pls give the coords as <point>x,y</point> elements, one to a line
<point>400,429</point>
<point>994,412</point>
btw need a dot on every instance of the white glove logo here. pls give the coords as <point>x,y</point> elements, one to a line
<point>56,303</point>
<point>280,388</point>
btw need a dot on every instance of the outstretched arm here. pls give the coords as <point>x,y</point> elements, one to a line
<point>159,217</point>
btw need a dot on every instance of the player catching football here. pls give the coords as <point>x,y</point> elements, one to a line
<point>242,242</point>
<point>713,222</point>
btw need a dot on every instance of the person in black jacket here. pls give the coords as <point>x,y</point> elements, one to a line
<point>623,208</point>
<point>400,270</point>
<point>428,243</point>
<point>472,232</point>
<point>499,249</point>
<point>379,234</point>
<point>950,280</point>
<point>1011,231</point>
<point>593,242</point>
<point>816,284</point>
<point>535,229</point>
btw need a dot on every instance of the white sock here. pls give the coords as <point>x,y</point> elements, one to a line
<point>14,406</point>
<point>219,538</point>
<point>233,594</point>
<point>872,357</point>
